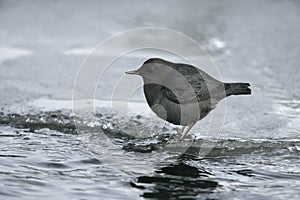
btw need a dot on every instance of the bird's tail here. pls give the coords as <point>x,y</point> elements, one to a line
<point>237,89</point>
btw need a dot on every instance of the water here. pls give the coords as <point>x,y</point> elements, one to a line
<point>43,156</point>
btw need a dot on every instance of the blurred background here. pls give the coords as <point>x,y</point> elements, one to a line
<point>43,44</point>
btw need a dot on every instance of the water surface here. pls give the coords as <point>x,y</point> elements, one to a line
<point>43,156</point>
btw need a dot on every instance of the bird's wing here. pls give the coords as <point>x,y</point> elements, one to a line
<point>189,84</point>
<point>184,90</point>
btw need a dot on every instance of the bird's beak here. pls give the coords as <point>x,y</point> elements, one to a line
<point>132,72</point>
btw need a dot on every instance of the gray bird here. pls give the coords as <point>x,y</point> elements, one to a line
<point>183,94</point>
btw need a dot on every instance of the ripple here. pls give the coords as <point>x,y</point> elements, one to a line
<point>93,161</point>
<point>53,165</point>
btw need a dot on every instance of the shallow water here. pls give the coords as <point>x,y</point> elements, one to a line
<point>44,157</point>
<point>119,156</point>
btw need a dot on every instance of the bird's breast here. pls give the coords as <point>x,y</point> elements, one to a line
<point>179,114</point>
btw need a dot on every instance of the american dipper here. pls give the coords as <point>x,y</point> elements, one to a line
<point>183,94</point>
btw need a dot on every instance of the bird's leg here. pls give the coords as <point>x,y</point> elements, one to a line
<point>186,129</point>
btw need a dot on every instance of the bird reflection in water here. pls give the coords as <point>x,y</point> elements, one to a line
<point>177,180</point>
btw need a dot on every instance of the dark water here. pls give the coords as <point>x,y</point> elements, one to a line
<point>43,156</point>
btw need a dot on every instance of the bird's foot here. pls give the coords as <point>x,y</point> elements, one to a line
<point>185,131</point>
<point>189,137</point>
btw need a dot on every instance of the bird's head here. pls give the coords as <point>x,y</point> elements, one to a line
<point>150,68</point>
